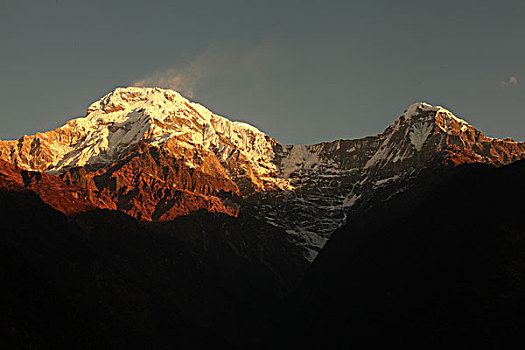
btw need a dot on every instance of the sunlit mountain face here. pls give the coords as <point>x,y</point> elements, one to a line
<point>153,222</point>
<point>154,155</point>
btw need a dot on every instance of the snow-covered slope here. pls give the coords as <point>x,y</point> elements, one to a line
<point>116,123</point>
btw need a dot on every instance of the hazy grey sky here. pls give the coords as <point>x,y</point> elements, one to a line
<point>302,71</point>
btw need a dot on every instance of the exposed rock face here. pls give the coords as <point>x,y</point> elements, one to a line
<point>147,184</point>
<point>69,199</point>
<point>155,155</point>
<point>150,184</point>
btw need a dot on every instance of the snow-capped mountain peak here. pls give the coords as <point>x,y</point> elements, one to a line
<point>120,120</point>
<point>442,117</point>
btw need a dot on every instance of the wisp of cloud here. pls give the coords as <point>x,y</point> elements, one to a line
<point>186,78</point>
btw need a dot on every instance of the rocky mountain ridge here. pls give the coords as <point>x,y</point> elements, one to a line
<point>155,155</point>
<point>330,178</point>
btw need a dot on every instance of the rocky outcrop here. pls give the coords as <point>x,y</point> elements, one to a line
<point>147,184</point>
<point>67,198</point>
<point>150,184</point>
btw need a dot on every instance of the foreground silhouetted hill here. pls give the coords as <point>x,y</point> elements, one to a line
<point>102,279</point>
<point>441,265</point>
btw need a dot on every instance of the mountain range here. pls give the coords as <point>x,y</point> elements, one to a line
<point>153,222</point>
<point>155,155</point>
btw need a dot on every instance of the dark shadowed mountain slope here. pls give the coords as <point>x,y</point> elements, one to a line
<point>441,265</point>
<point>101,279</point>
